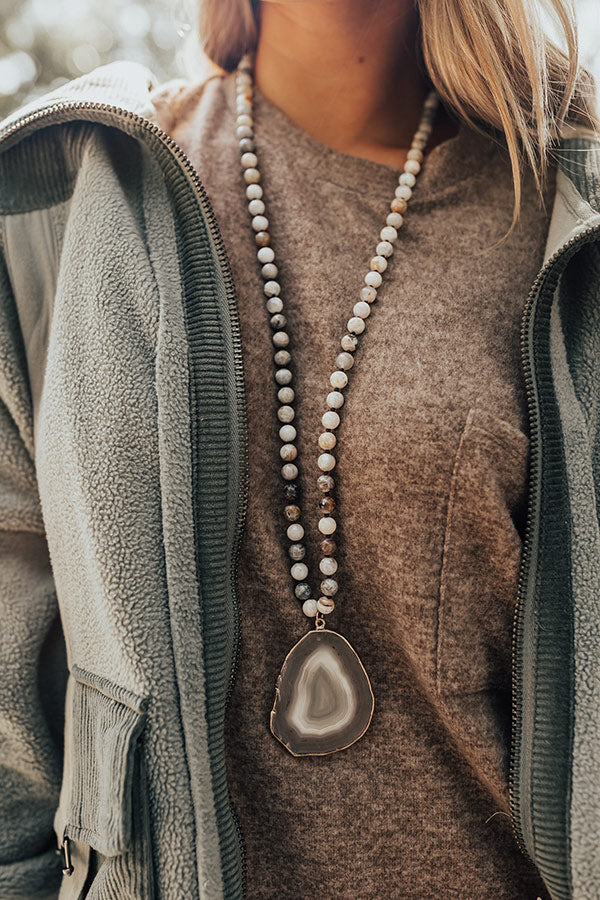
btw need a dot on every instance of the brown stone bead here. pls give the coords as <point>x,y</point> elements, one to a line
<point>398,205</point>
<point>262,238</point>
<point>328,546</point>
<point>327,504</point>
<point>291,491</point>
<point>325,482</point>
<point>292,513</point>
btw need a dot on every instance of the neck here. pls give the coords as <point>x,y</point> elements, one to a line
<point>348,72</point>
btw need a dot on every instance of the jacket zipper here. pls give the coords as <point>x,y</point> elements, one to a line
<point>54,111</point>
<point>539,289</point>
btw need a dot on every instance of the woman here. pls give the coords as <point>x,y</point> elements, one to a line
<point>426,253</point>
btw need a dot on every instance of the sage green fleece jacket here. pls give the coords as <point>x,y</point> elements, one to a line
<point>123,490</point>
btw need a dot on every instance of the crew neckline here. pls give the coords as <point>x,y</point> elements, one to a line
<point>447,165</point>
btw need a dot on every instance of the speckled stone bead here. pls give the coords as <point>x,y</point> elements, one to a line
<point>327,504</point>
<point>325,482</point>
<point>368,293</point>
<point>288,452</point>
<point>325,605</point>
<point>399,205</point>
<point>297,551</point>
<point>289,471</point>
<point>329,586</point>
<point>283,376</point>
<point>282,357</point>
<point>349,342</point>
<point>328,546</point>
<point>327,440</point>
<point>285,413</point>
<point>292,512</point>
<point>278,321</point>
<point>286,395</point>
<point>290,491</point>
<point>302,591</point>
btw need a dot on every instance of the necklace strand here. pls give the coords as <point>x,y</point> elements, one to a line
<point>282,358</point>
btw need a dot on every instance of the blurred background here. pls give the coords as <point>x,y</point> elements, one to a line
<point>44,43</point>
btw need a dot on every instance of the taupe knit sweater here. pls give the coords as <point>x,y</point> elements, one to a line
<point>431,490</point>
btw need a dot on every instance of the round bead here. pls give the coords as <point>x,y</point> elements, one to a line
<point>327,440</point>
<point>274,304</point>
<point>243,131</point>
<point>327,525</point>
<point>254,192</point>
<point>415,154</point>
<point>299,571</point>
<point>256,207</point>
<point>288,452</point>
<point>329,586</point>
<point>412,166</point>
<point>269,270</point>
<point>335,399</point>
<point>281,338</point>
<point>262,238</point>
<point>403,191</point>
<point>278,321</point>
<point>325,482</point>
<point>326,462</point>
<point>292,512</point>
<point>328,545</point>
<point>295,532</point>
<point>373,279</point>
<point>325,605</point>
<point>368,293</point>
<point>283,376</point>
<point>362,310</point>
<point>330,419</point>
<point>287,433</point>
<point>349,342</point>
<point>328,565</point>
<point>355,324</point>
<point>407,178</point>
<point>384,248</point>
<point>327,504</point>
<point>251,176</point>
<point>286,395</point>
<point>282,357</point>
<point>339,379</point>
<point>265,254</point>
<point>388,233</point>
<point>399,205</point>
<point>379,263</point>
<point>285,413</point>
<point>302,591</point>
<point>309,607</point>
<point>395,220</point>
<point>289,471</point>
<point>271,288</point>
<point>344,361</point>
<point>296,551</point>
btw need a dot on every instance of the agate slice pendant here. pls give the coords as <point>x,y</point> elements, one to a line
<point>323,698</point>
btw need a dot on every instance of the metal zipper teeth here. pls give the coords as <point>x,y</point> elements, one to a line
<point>54,110</point>
<point>563,254</point>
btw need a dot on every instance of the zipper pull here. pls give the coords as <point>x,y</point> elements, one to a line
<point>65,851</point>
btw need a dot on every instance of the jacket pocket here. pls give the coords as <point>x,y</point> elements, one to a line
<point>103,804</point>
<point>481,556</point>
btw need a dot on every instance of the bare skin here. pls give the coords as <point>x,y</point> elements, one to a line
<point>347,73</point>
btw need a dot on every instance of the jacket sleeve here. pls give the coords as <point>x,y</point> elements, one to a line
<point>32,658</point>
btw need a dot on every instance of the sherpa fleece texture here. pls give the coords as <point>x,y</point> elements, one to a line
<point>116,554</point>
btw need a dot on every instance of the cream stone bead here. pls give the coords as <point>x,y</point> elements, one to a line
<point>265,254</point>
<point>368,293</point>
<point>288,452</point>
<point>281,338</point>
<point>326,462</point>
<point>309,607</point>
<point>287,433</point>
<point>356,324</point>
<point>286,394</point>
<point>339,379</point>
<point>407,178</point>
<point>349,342</point>
<point>325,605</point>
<point>327,525</point>
<point>269,271</point>
<point>403,191</point>
<point>362,310</point>
<point>295,531</point>
<point>272,288</point>
<point>282,357</point>
<point>415,154</point>
<point>388,233</point>
<point>328,565</point>
<point>335,399</point>
<point>255,192</point>
<point>373,279</point>
<point>257,208</point>
<point>395,220</point>
<point>344,361</point>
<point>330,419</point>
<point>384,248</point>
<point>251,176</point>
<point>379,263</point>
<point>327,440</point>
<point>285,413</point>
<point>412,166</point>
<point>289,471</point>
<point>283,376</point>
<point>274,304</point>
<point>329,586</point>
<point>299,571</point>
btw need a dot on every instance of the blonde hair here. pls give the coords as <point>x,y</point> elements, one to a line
<point>491,62</point>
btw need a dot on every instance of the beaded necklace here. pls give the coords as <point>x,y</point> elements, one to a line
<point>323,698</point>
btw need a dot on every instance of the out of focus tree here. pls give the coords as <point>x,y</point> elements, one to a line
<point>44,43</point>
